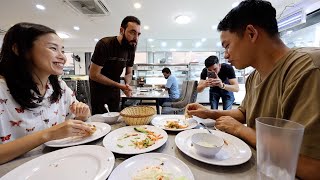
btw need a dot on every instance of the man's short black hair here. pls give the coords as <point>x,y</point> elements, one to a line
<point>255,12</point>
<point>166,70</point>
<point>126,20</point>
<point>211,60</point>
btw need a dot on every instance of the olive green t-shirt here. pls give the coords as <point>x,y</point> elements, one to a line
<point>291,91</point>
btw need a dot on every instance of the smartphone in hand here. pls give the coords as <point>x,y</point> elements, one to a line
<point>211,74</point>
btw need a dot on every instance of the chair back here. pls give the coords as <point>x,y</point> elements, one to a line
<point>190,97</point>
<point>81,89</point>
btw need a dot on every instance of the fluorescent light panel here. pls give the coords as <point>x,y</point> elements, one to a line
<point>292,20</point>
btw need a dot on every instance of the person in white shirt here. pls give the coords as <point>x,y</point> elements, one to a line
<point>35,107</point>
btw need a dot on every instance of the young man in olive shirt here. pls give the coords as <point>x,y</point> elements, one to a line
<point>110,57</point>
<point>285,83</point>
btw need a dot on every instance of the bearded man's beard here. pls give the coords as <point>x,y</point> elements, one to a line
<point>128,44</point>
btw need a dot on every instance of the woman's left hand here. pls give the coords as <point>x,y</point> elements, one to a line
<point>80,110</point>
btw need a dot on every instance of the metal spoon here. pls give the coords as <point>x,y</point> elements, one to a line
<point>107,108</point>
<point>203,125</point>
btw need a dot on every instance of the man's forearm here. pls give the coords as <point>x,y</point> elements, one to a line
<point>235,113</point>
<point>128,78</point>
<point>247,134</point>
<point>105,80</point>
<point>201,86</point>
<point>308,168</point>
<point>232,88</point>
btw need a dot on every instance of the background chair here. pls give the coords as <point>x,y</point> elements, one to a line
<point>81,89</point>
<point>182,95</point>
<point>190,97</point>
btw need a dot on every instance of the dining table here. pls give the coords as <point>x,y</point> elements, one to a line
<point>200,170</point>
<point>146,94</point>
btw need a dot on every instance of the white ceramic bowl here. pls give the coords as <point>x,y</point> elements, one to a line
<point>207,144</point>
<point>110,118</point>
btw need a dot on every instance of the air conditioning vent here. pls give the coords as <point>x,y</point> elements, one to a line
<point>92,8</point>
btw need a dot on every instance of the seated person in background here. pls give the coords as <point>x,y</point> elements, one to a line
<point>222,82</point>
<point>35,106</point>
<point>171,85</point>
<point>285,83</point>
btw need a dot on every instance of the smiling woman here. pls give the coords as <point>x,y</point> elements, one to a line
<point>35,105</point>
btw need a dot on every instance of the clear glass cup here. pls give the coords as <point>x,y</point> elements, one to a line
<point>278,147</point>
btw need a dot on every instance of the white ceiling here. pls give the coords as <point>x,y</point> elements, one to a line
<point>157,14</point>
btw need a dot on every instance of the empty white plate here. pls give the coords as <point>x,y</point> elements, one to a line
<point>86,162</point>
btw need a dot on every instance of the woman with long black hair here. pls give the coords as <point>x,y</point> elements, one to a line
<point>35,106</point>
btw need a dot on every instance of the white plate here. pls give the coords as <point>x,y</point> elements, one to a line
<point>161,121</point>
<point>130,167</point>
<point>236,152</point>
<point>80,162</point>
<point>207,122</point>
<point>102,129</point>
<point>114,141</point>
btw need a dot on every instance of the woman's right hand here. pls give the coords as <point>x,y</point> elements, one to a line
<point>196,109</point>
<point>68,128</point>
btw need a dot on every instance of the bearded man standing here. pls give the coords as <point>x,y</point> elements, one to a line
<point>110,57</point>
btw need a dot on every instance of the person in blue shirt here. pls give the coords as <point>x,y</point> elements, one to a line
<point>171,85</point>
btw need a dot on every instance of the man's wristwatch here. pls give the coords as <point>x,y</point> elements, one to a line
<point>223,86</point>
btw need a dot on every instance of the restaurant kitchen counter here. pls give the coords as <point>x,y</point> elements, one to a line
<point>201,171</point>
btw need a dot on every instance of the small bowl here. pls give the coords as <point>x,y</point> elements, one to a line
<point>106,118</point>
<point>207,144</point>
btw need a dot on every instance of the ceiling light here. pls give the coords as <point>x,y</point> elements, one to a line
<point>77,28</point>
<point>203,39</point>
<point>235,4</point>
<point>63,35</point>
<point>96,39</point>
<point>41,7</point>
<point>179,44</point>
<point>198,44</point>
<point>150,40</point>
<point>182,19</point>
<point>137,5</point>
<point>163,44</point>
<point>146,27</point>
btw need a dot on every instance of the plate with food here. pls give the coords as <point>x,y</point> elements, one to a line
<point>152,166</point>
<point>98,130</point>
<point>78,162</point>
<point>174,122</point>
<point>135,139</point>
<point>233,152</point>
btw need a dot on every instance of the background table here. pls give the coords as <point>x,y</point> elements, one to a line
<point>149,94</point>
